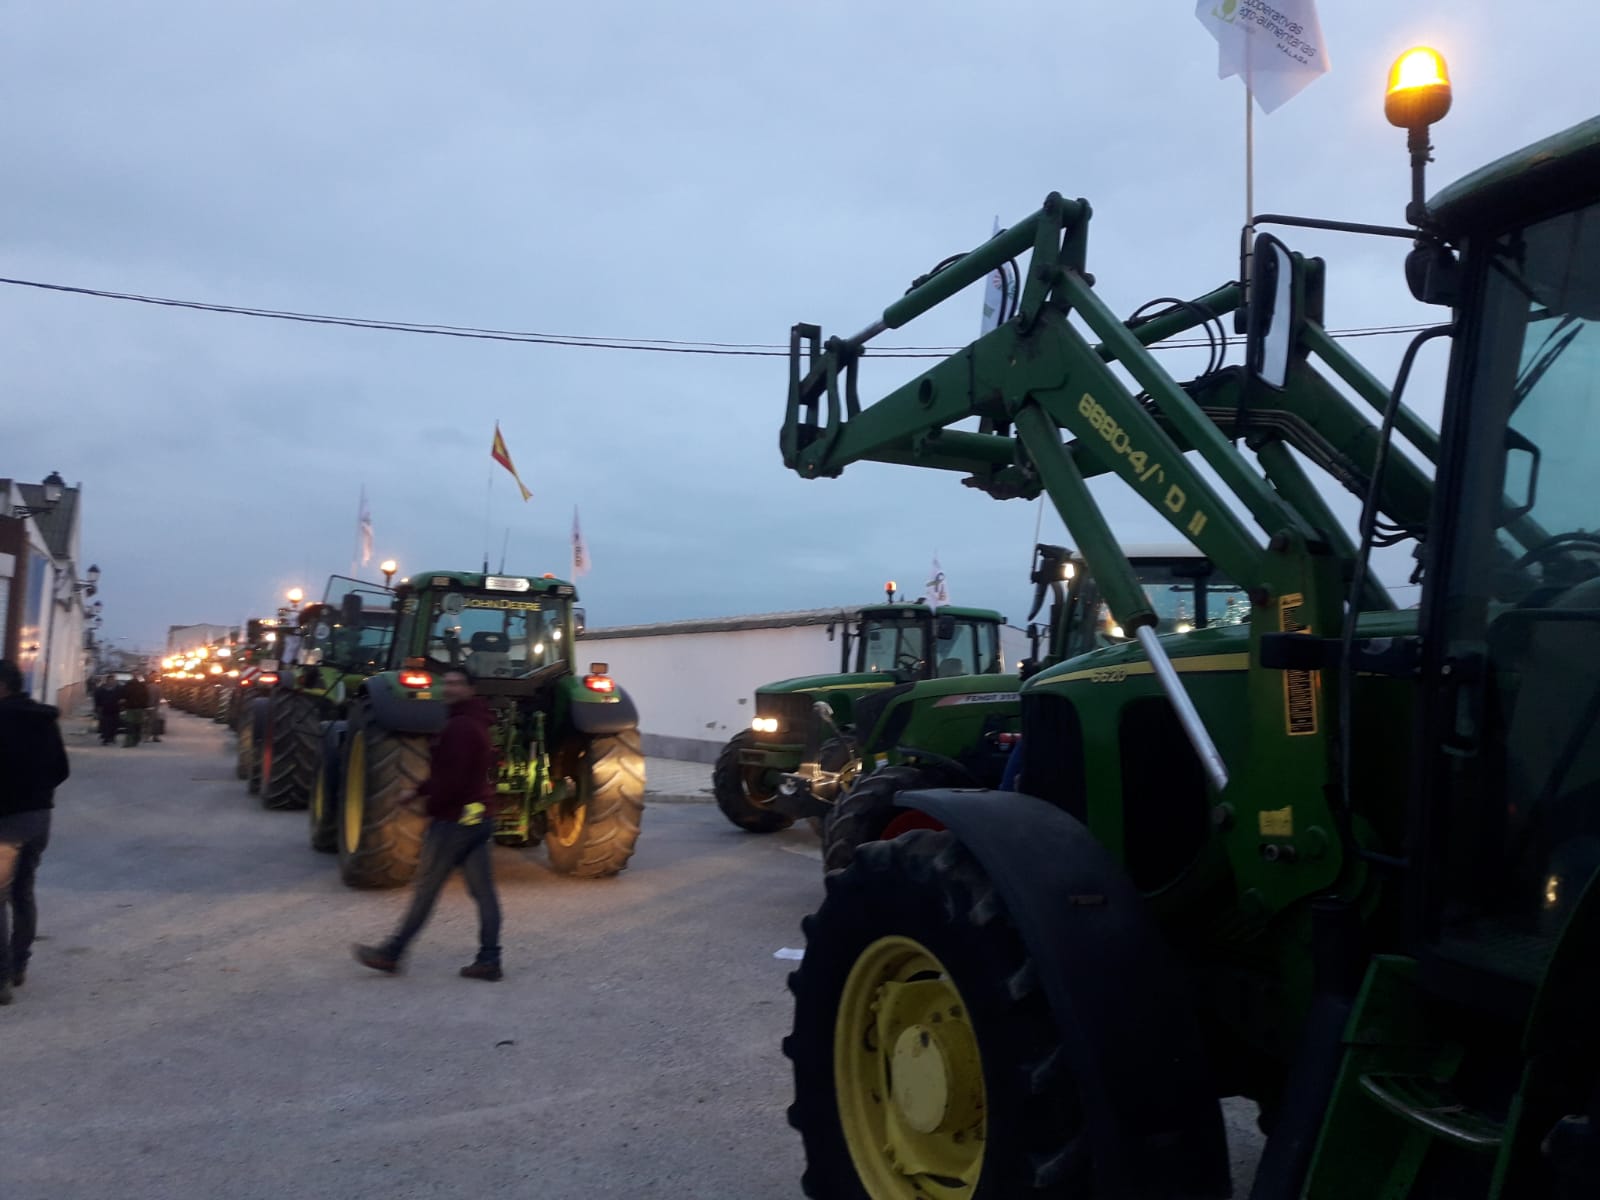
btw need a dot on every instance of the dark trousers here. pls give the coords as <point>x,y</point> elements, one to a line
<point>23,837</point>
<point>108,725</point>
<point>446,846</point>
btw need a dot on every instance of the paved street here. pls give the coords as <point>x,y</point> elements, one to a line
<point>193,1026</point>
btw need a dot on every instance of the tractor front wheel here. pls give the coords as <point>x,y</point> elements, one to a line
<point>926,1060</point>
<point>252,737</point>
<point>870,811</point>
<point>380,839</point>
<point>738,790</point>
<point>324,807</point>
<point>593,834</point>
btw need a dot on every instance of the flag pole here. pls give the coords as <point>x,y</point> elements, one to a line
<point>1247,231</point>
<point>488,491</point>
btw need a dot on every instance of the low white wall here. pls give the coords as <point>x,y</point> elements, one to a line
<point>696,690</point>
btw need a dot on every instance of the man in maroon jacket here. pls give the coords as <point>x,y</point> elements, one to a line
<point>459,795</point>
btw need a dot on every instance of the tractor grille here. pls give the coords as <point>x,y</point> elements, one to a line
<point>793,711</point>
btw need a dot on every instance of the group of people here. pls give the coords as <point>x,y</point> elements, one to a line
<point>457,798</point>
<point>134,704</point>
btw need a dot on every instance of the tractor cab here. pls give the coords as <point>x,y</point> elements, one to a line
<point>351,629</point>
<point>913,641</point>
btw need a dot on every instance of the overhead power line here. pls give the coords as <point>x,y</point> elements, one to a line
<point>580,341</point>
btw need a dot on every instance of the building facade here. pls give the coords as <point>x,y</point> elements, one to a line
<point>44,589</point>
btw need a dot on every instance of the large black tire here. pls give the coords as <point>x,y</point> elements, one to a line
<point>1009,1120</point>
<point>738,795</point>
<point>594,835</point>
<point>380,841</point>
<point>293,751</point>
<point>866,811</point>
<point>323,810</point>
<point>252,736</point>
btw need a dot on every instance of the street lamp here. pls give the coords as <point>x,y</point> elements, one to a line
<point>388,566</point>
<point>54,487</point>
<point>295,596</point>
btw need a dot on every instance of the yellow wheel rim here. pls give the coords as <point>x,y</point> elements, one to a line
<point>908,1076</point>
<point>355,792</point>
<point>567,821</point>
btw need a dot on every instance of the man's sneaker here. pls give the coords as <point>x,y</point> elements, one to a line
<point>19,976</point>
<point>483,970</point>
<point>377,958</point>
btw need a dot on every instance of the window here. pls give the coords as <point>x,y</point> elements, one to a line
<point>892,646</point>
<point>495,637</point>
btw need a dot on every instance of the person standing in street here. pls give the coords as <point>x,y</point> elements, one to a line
<point>33,763</point>
<point>152,720</point>
<point>135,698</point>
<point>107,708</point>
<point>458,795</point>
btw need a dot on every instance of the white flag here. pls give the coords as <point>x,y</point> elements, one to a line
<point>1275,46</point>
<point>580,552</point>
<point>938,590</point>
<point>364,528</point>
<point>993,294</point>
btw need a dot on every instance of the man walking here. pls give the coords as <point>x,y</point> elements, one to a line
<point>33,763</point>
<point>458,795</point>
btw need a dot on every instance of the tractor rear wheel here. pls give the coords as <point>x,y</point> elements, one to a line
<point>293,750</point>
<point>593,835</point>
<point>380,840</point>
<point>926,1060</point>
<point>738,790</point>
<point>868,811</point>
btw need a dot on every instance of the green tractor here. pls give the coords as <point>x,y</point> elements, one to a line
<point>894,644</point>
<point>1339,858</point>
<point>335,644</point>
<point>569,768</point>
<point>965,733</point>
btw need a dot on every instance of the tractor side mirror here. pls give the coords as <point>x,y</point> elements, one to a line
<point>945,628</point>
<point>350,609</point>
<point>1269,331</point>
<point>580,620</point>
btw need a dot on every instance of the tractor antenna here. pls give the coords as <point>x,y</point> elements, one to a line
<point>504,542</point>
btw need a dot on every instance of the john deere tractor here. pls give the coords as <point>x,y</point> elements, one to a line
<point>569,770</point>
<point>1339,858</point>
<point>966,732</point>
<point>336,644</point>
<point>894,644</point>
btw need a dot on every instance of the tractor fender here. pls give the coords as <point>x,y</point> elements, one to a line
<point>405,714</point>
<point>614,714</point>
<point>1120,1000</point>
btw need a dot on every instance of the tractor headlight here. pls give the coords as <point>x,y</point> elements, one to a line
<point>765,724</point>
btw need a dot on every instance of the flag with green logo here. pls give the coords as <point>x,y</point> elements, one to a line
<point>1275,46</point>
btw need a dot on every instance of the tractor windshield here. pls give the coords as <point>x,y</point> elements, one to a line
<point>496,637</point>
<point>1185,592</point>
<point>894,646</point>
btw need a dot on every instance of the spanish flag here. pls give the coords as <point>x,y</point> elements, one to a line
<point>501,455</point>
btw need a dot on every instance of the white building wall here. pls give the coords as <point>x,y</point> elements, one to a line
<point>696,690</point>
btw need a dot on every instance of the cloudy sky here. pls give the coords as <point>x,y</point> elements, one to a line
<point>699,170</point>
